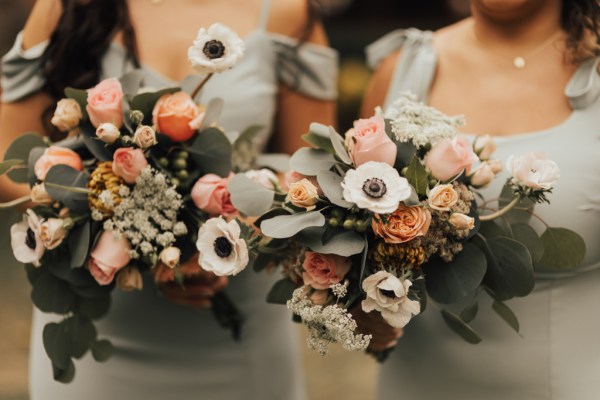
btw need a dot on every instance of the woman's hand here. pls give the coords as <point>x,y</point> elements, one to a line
<point>384,335</point>
<point>198,288</point>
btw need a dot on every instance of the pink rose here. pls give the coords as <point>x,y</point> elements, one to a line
<point>128,163</point>
<point>369,142</point>
<point>324,270</point>
<point>449,157</point>
<point>108,257</point>
<point>104,103</point>
<point>56,155</point>
<point>210,194</point>
<point>177,116</point>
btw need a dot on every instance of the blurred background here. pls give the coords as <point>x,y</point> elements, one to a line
<point>351,25</point>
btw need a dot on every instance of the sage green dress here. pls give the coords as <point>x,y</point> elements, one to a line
<point>166,351</point>
<point>557,355</point>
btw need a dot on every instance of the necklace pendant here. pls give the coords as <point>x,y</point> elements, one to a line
<point>519,62</point>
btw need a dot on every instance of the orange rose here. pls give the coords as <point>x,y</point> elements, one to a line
<point>56,155</point>
<point>177,116</point>
<point>403,225</point>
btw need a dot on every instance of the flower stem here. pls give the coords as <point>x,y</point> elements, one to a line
<point>502,211</point>
<point>200,85</point>
<point>15,202</point>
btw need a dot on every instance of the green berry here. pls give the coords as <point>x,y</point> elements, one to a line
<point>334,222</point>
<point>180,163</point>
<point>337,213</point>
<point>183,154</point>
<point>175,181</point>
<point>183,174</point>
<point>349,223</point>
<point>164,162</point>
<point>360,226</point>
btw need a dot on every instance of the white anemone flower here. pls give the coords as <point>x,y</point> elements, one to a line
<point>25,239</point>
<point>222,251</point>
<point>375,186</point>
<point>216,49</point>
<point>389,295</point>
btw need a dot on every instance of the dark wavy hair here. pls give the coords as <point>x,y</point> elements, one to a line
<point>581,18</point>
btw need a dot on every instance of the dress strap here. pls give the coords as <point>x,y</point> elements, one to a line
<point>264,15</point>
<point>583,89</point>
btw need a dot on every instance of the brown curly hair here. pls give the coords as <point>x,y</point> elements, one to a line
<point>581,20</point>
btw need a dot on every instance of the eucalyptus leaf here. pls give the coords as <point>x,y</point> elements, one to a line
<point>80,96</point>
<point>515,215</point>
<point>249,197</point>
<point>404,155</point>
<point>34,155</point>
<point>56,344</point>
<point>52,295</point>
<point>276,162</point>
<point>563,249</point>
<point>102,350</point>
<point>310,162</point>
<point>248,135</point>
<point>132,81</point>
<point>211,151</point>
<point>8,164</point>
<point>95,146</point>
<point>285,226</point>
<point>469,313</point>
<point>450,282</point>
<point>460,327</point>
<point>281,291</point>
<point>213,111</point>
<point>94,308</point>
<point>343,243</point>
<point>33,273</point>
<point>67,177</point>
<point>81,333</point>
<point>19,149</point>
<point>338,145</point>
<point>79,244</point>
<point>271,214</point>
<point>146,101</point>
<point>526,234</point>
<point>331,184</point>
<point>506,314</point>
<point>490,229</point>
<point>65,375</point>
<point>417,176</point>
<point>318,136</point>
<point>261,262</point>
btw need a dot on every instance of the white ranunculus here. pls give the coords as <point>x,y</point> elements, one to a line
<point>52,232</point>
<point>108,132</point>
<point>216,49</point>
<point>533,170</point>
<point>144,137</point>
<point>170,256</point>
<point>375,186</point>
<point>222,251</point>
<point>389,295</point>
<point>264,177</point>
<point>484,146</point>
<point>67,115</point>
<point>25,239</point>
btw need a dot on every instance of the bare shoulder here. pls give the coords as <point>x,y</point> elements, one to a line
<point>42,21</point>
<point>379,84</point>
<point>291,18</point>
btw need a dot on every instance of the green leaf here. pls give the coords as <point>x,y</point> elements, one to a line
<point>512,273</point>
<point>102,350</point>
<point>450,282</point>
<point>310,162</point>
<point>460,327</point>
<point>515,215</point>
<point>213,111</point>
<point>64,375</point>
<point>318,136</point>
<point>417,176</point>
<point>490,229</point>
<point>63,175</point>
<point>145,102</point>
<point>35,154</point>
<point>79,244</point>
<point>261,262</point>
<point>285,226</point>
<point>563,249</point>
<point>80,96</point>
<point>276,162</point>
<point>281,291</point>
<point>132,81</point>
<point>470,312</point>
<point>338,144</point>
<point>526,234</point>
<point>405,153</point>
<point>506,314</point>
<point>211,151</point>
<point>248,135</point>
<point>19,149</point>
<point>249,197</point>
<point>56,344</point>
<point>8,164</point>
<point>94,308</point>
<point>331,184</point>
<point>97,147</point>
<point>343,243</point>
<point>51,294</point>
<point>271,214</point>
<point>33,273</point>
<point>81,333</point>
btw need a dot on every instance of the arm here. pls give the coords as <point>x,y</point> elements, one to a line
<point>379,84</point>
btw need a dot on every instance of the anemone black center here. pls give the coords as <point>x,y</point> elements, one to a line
<point>223,247</point>
<point>374,188</point>
<point>388,293</point>
<point>214,49</point>
<point>30,239</point>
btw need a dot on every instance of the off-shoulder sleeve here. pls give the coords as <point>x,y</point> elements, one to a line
<point>584,87</point>
<point>21,71</point>
<point>308,68</point>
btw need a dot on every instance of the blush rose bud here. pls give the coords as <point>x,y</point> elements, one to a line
<point>170,256</point>
<point>144,137</point>
<point>482,176</point>
<point>461,221</point>
<point>129,279</point>
<point>67,115</point>
<point>108,132</point>
<point>39,195</point>
<point>495,165</point>
<point>52,232</point>
<point>484,147</point>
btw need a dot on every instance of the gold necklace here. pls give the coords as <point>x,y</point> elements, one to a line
<point>520,61</point>
<point>156,2</point>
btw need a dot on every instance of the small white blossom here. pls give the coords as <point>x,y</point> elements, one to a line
<point>97,215</point>
<point>339,290</point>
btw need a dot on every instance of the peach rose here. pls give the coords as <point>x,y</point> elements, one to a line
<point>482,176</point>
<point>177,116</point>
<point>40,195</point>
<point>449,157</point>
<point>104,103</point>
<point>323,270</point>
<point>368,141</point>
<point>461,221</point>
<point>67,115</point>
<point>128,163</point>
<point>130,279</point>
<point>56,155</point>
<point>303,194</point>
<point>108,257</point>
<point>210,194</point>
<point>403,225</point>
<point>442,197</point>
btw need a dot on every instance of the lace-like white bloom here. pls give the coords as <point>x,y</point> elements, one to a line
<point>389,295</point>
<point>375,186</point>
<point>533,170</point>
<point>222,251</point>
<point>216,49</point>
<point>414,121</point>
<point>27,245</point>
<point>326,325</point>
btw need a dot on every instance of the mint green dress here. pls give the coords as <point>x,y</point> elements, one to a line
<point>557,356</point>
<point>166,351</point>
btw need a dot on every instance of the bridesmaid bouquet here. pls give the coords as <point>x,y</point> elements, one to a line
<point>139,184</point>
<point>387,218</point>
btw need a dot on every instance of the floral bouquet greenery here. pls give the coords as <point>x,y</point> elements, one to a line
<point>388,218</point>
<point>139,184</point>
